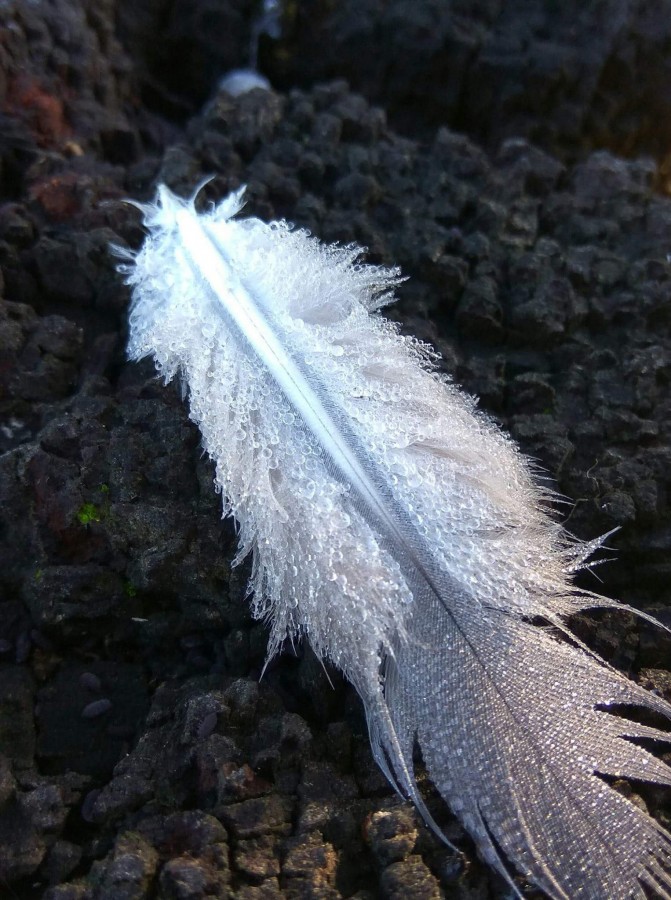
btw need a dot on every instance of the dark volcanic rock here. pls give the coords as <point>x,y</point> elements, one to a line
<point>66,82</point>
<point>569,76</point>
<point>140,755</point>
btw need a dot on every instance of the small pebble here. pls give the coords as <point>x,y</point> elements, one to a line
<point>208,725</point>
<point>97,708</point>
<point>87,805</point>
<point>90,681</point>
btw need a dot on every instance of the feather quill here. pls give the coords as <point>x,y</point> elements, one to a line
<point>403,535</point>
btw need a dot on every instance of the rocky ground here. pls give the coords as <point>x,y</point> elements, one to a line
<point>141,755</point>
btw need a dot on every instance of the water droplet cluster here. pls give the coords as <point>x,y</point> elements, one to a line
<point>463,487</point>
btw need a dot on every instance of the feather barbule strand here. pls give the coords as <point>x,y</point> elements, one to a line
<point>400,532</point>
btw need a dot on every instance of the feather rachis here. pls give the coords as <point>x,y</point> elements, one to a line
<point>408,541</point>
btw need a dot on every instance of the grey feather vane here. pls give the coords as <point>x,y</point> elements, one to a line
<point>402,534</point>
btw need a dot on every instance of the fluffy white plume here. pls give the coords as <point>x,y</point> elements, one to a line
<point>399,531</point>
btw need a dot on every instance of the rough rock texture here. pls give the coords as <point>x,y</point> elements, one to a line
<point>140,755</point>
<point>65,79</point>
<point>570,76</point>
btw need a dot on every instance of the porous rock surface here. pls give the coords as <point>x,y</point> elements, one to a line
<point>570,76</point>
<point>140,754</point>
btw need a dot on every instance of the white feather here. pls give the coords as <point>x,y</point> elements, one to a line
<point>398,530</point>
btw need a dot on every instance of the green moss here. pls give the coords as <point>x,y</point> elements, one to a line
<point>129,589</point>
<point>88,513</point>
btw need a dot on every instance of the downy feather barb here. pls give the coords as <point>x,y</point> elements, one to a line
<point>401,533</point>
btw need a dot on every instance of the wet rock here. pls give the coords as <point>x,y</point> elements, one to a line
<point>63,92</point>
<point>527,169</point>
<point>44,804</point>
<point>269,889</point>
<point>243,698</point>
<point>122,795</point>
<point>480,313</point>
<point>62,859</point>
<point>17,728</point>
<point>130,872</point>
<point>75,593</point>
<point>69,892</point>
<point>546,286</point>
<point>31,821</point>
<point>258,816</point>
<point>183,877</point>
<point>258,858</point>
<point>189,832</point>
<point>23,846</point>
<point>41,357</point>
<point>549,315</point>
<point>201,715</point>
<point>7,783</point>
<point>410,878</point>
<point>309,867</point>
<point>392,835</point>
<point>63,699</point>
<point>558,77</point>
<point>69,269</point>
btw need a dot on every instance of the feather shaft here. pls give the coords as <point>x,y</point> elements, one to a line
<point>210,261</point>
<point>208,258</point>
